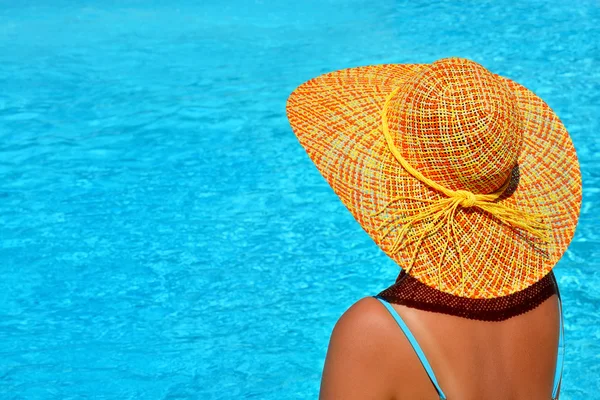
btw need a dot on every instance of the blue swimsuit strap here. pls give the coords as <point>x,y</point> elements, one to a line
<point>561,351</point>
<point>415,345</point>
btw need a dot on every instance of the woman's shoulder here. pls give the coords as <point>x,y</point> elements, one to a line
<point>367,316</point>
<point>367,331</point>
<point>359,352</point>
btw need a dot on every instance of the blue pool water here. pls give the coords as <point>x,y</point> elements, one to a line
<point>162,233</point>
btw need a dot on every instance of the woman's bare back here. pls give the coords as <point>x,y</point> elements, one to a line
<point>370,358</point>
<point>511,359</point>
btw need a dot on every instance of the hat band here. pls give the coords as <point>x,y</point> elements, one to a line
<point>437,214</point>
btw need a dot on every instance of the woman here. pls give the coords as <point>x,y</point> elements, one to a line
<point>470,182</point>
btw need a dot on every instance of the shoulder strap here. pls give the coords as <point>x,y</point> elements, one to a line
<point>561,351</point>
<point>415,345</point>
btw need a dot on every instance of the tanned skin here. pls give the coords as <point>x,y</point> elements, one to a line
<point>369,358</point>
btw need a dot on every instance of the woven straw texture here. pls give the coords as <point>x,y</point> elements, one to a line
<point>463,127</point>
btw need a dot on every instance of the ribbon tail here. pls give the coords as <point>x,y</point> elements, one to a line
<point>449,220</point>
<point>532,223</point>
<point>424,212</point>
<point>460,256</point>
<point>430,229</point>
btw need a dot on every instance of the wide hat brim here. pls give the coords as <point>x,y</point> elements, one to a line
<point>337,119</point>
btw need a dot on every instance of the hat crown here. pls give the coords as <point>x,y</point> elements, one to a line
<point>458,124</point>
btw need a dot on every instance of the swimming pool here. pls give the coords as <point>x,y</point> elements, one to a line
<point>162,233</point>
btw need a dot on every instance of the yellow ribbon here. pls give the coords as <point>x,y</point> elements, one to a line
<point>439,213</point>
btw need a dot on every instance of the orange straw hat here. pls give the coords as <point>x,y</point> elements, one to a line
<point>467,179</point>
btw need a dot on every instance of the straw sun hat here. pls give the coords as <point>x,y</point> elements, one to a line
<point>465,178</point>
